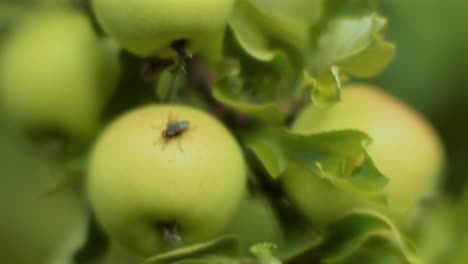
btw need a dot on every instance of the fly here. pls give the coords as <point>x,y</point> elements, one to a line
<point>174,129</point>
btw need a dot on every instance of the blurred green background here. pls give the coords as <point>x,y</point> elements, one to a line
<point>429,72</point>
<point>430,69</point>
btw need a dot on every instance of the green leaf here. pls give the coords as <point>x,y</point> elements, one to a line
<point>268,112</point>
<point>271,155</point>
<point>227,245</point>
<point>209,260</point>
<point>264,253</point>
<point>339,156</point>
<point>249,36</point>
<point>365,234</point>
<point>75,242</point>
<point>257,89</point>
<point>280,25</point>
<point>356,45</point>
<point>359,236</point>
<point>371,61</point>
<point>299,240</point>
<point>326,89</point>
<point>258,24</point>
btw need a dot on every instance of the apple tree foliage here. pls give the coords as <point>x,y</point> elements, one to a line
<point>273,58</point>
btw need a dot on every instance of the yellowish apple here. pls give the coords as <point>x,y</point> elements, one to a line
<point>405,148</point>
<point>149,28</point>
<point>56,74</point>
<point>152,193</point>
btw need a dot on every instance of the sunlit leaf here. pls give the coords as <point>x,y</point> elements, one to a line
<point>225,245</point>
<point>264,253</point>
<point>359,236</point>
<point>355,44</point>
<point>257,89</point>
<point>282,26</point>
<point>248,34</point>
<point>338,156</point>
<point>371,61</point>
<point>268,112</point>
<point>257,25</point>
<point>326,89</point>
<point>271,154</point>
<point>365,233</point>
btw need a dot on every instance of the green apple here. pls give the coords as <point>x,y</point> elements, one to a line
<point>56,74</point>
<point>33,227</point>
<point>150,28</point>
<point>255,222</point>
<point>117,254</point>
<point>151,192</point>
<point>405,148</point>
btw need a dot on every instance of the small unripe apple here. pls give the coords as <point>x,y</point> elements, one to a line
<point>405,148</point>
<point>152,190</point>
<point>149,28</point>
<point>255,222</point>
<point>56,74</point>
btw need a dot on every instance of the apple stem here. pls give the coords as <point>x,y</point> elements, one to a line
<point>170,233</point>
<point>181,47</point>
<point>51,142</point>
<point>183,54</point>
<point>153,66</point>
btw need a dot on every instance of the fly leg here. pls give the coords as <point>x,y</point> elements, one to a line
<point>180,146</point>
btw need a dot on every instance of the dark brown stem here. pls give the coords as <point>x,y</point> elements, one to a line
<point>183,55</point>
<point>153,67</point>
<point>201,79</point>
<point>181,46</point>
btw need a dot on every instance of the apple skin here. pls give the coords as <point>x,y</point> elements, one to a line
<point>405,148</point>
<point>255,222</point>
<point>137,181</point>
<point>147,28</point>
<point>56,74</point>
